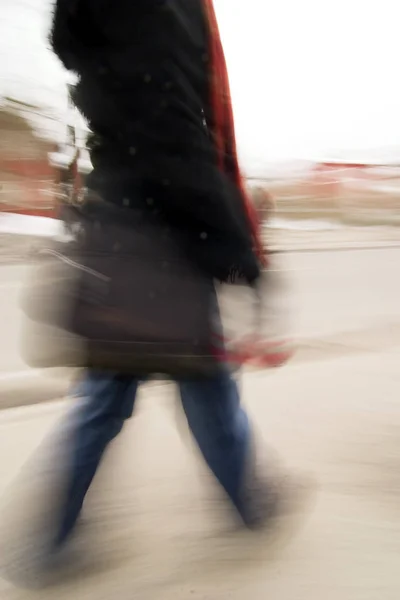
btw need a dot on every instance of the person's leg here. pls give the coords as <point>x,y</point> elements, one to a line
<point>106,401</point>
<point>224,436</point>
<point>222,431</point>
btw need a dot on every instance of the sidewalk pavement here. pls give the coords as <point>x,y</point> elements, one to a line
<point>155,526</point>
<point>340,238</point>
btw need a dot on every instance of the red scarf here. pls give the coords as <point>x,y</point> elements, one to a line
<point>222,126</point>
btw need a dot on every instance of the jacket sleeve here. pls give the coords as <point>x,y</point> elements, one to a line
<point>207,211</point>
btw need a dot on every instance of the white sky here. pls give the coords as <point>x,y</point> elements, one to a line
<point>308,76</point>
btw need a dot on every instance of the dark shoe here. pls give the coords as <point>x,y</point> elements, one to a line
<point>267,500</point>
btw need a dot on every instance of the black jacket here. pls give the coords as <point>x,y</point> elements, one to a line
<point>144,87</point>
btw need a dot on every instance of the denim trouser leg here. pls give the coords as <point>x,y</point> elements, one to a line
<point>212,407</point>
<point>221,429</point>
<point>106,402</point>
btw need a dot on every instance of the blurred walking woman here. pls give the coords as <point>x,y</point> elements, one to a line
<point>152,84</point>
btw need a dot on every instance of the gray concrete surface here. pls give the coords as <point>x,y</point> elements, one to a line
<point>156,528</point>
<point>341,238</point>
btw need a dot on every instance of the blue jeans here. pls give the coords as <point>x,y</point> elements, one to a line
<point>214,414</point>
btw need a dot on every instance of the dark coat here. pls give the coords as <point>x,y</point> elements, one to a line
<point>144,88</point>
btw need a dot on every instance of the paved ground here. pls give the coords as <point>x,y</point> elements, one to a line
<point>342,238</point>
<point>157,527</point>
